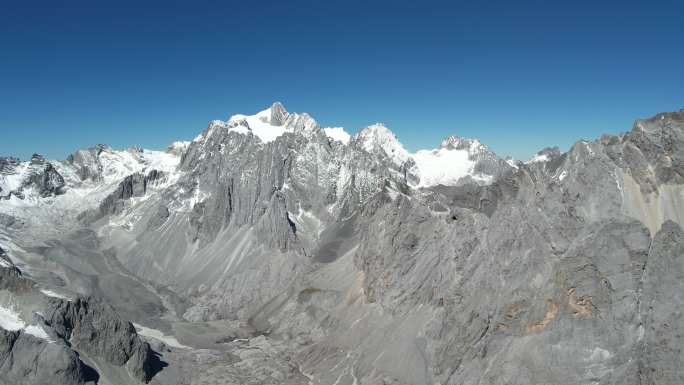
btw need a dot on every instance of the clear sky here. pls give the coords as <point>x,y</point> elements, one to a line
<point>518,75</point>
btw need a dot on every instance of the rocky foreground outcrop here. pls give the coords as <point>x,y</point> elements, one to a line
<point>93,327</point>
<point>48,350</point>
<point>26,359</point>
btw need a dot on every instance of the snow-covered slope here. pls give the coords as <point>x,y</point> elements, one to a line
<point>259,124</point>
<point>116,165</point>
<point>456,159</point>
<point>13,176</point>
<point>267,125</point>
<point>338,134</point>
<point>378,138</point>
<point>444,166</point>
<point>40,190</point>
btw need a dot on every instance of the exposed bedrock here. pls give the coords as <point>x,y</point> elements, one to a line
<point>349,264</point>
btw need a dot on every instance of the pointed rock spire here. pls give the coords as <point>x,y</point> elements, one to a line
<point>278,114</point>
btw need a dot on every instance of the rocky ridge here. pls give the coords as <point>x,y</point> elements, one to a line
<point>359,262</point>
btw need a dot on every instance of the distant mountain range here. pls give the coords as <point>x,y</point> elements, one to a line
<point>270,250</point>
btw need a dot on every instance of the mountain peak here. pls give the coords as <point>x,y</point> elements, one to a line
<point>267,125</point>
<point>278,114</point>
<point>545,154</point>
<point>37,159</point>
<point>454,142</point>
<point>378,136</point>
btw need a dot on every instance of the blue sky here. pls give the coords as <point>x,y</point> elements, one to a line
<point>519,75</point>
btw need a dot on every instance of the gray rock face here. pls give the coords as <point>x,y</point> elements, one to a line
<point>11,277</point>
<point>660,328</point>
<point>564,269</point>
<point>134,185</point>
<point>486,161</point>
<point>48,182</point>
<point>87,162</point>
<point>8,164</point>
<point>25,359</point>
<point>657,142</point>
<point>95,328</point>
<point>141,362</point>
<point>48,349</point>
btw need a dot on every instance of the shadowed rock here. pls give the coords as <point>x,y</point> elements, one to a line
<point>93,327</point>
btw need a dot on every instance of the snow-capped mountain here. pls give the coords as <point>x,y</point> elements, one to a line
<point>101,168</point>
<point>267,125</point>
<point>457,159</point>
<point>270,250</point>
<point>378,139</point>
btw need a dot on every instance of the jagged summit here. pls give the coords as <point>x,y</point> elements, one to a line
<point>459,143</point>
<point>266,125</point>
<point>37,159</point>
<point>278,114</point>
<point>546,154</point>
<point>455,159</point>
<point>378,137</point>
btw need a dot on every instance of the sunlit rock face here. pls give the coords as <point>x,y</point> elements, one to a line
<point>271,250</point>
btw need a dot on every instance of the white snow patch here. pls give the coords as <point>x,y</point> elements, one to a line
<point>10,320</point>
<point>179,146</point>
<point>539,158</point>
<point>158,335</point>
<point>513,163</point>
<point>599,354</point>
<point>338,134</point>
<point>198,196</point>
<point>306,219</point>
<point>475,146</point>
<point>4,263</point>
<point>240,129</point>
<point>14,181</point>
<point>619,186</point>
<point>445,166</point>
<point>562,175</point>
<point>259,125</point>
<point>392,194</point>
<point>53,294</point>
<point>39,332</point>
<point>160,160</point>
